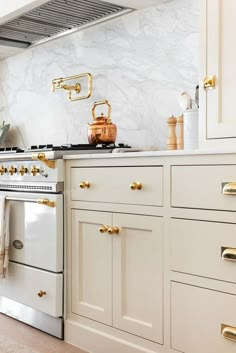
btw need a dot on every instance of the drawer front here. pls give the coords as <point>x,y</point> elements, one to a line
<point>203,248</point>
<point>113,185</point>
<point>23,283</point>
<point>197,316</point>
<point>201,187</point>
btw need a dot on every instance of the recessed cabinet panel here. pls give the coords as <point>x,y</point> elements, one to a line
<point>203,248</point>
<point>137,262</point>
<point>91,266</point>
<point>196,318</point>
<point>202,187</point>
<point>130,185</point>
<point>220,61</point>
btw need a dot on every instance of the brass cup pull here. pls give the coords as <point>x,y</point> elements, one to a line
<point>84,184</point>
<point>41,293</point>
<point>229,188</point>
<point>209,82</point>
<point>228,254</point>
<point>103,229</point>
<point>113,230</point>
<point>136,186</point>
<point>228,332</point>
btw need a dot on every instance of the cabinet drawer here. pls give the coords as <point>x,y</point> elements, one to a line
<point>23,283</point>
<point>197,248</point>
<point>113,185</point>
<point>201,187</point>
<point>197,315</point>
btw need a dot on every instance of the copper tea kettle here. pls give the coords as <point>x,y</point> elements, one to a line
<point>101,130</point>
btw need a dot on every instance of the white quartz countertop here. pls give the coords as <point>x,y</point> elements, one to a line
<point>149,153</point>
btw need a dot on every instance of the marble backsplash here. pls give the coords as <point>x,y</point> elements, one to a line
<point>140,63</point>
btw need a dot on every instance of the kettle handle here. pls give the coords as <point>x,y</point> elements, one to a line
<point>101,103</point>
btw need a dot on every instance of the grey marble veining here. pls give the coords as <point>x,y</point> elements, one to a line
<point>140,63</point>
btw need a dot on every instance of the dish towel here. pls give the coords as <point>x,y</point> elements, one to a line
<point>4,235</point>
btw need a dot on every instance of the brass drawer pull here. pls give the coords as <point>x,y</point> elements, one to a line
<point>84,184</point>
<point>229,188</point>
<point>228,332</point>
<point>113,230</point>
<point>41,293</point>
<point>136,186</point>
<point>228,254</point>
<point>103,229</point>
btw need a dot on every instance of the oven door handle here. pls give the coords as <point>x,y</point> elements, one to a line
<point>45,202</point>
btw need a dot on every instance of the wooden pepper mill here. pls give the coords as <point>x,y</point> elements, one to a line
<point>180,133</point>
<point>172,141</point>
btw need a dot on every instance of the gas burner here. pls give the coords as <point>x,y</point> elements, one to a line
<point>11,150</point>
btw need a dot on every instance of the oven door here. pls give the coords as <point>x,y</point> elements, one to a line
<point>36,230</point>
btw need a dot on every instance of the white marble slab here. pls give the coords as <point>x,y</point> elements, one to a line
<point>140,62</point>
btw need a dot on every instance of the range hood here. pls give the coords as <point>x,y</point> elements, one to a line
<point>31,22</point>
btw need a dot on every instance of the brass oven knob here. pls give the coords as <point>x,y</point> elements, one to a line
<point>113,230</point>
<point>41,293</point>
<point>136,186</point>
<point>3,170</point>
<point>34,170</point>
<point>84,184</point>
<point>23,170</point>
<point>12,170</point>
<point>103,229</point>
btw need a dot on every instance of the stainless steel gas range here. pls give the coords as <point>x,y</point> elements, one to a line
<point>33,182</point>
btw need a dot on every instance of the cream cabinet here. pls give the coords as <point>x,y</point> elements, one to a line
<point>218,55</point>
<point>112,274</point>
<point>151,270</point>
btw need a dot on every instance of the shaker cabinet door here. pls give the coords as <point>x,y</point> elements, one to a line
<point>137,279</point>
<point>91,266</point>
<point>219,61</point>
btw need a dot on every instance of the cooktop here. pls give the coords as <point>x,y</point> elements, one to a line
<point>62,148</point>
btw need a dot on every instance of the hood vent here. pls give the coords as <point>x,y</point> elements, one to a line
<point>55,18</point>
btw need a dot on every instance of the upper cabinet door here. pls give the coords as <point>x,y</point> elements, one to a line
<point>218,35</point>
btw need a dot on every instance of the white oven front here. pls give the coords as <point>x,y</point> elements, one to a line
<point>36,229</point>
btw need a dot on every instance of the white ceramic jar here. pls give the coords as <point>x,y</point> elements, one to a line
<point>191,129</point>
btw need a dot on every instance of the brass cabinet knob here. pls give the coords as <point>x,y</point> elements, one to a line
<point>12,170</point>
<point>113,230</point>
<point>23,170</point>
<point>136,186</point>
<point>209,82</point>
<point>3,170</point>
<point>103,229</point>
<point>34,170</point>
<point>41,293</point>
<point>84,184</point>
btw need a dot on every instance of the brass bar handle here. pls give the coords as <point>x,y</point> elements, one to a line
<point>209,82</point>
<point>101,103</point>
<point>42,157</point>
<point>228,332</point>
<point>228,254</point>
<point>113,230</point>
<point>41,293</point>
<point>229,188</point>
<point>136,186</point>
<point>84,184</point>
<point>46,202</point>
<point>103,229</point>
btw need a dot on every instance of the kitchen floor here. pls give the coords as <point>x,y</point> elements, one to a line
<point>34,339</point>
